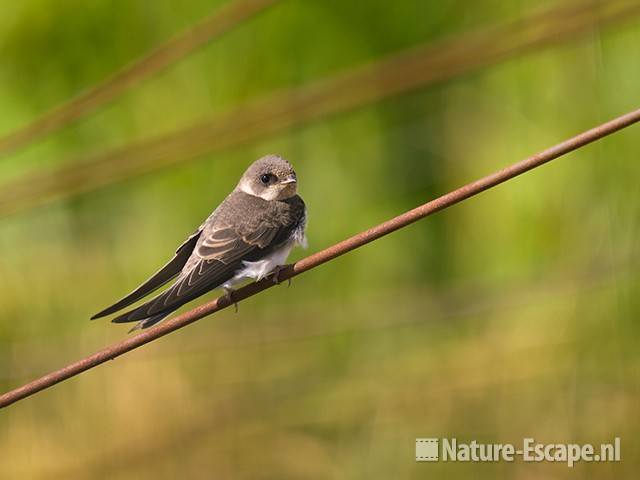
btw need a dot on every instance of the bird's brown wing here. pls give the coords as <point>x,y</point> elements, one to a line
<point>216,258</point>
<point>158,279</point>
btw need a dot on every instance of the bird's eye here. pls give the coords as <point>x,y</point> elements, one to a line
<point>266,178</point>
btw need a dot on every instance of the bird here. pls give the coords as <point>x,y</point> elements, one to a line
<point>247,237</point>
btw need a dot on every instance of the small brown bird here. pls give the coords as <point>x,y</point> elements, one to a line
<point>248,236</point>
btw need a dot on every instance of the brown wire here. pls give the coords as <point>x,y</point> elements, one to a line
<point>317,259</point>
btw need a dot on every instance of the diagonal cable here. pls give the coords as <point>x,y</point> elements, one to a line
<point>319,258</point>
<point>175,49</point>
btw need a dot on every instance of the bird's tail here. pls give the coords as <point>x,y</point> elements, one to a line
<point>156,309</point>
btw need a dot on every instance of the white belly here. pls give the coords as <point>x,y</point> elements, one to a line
<point>260,269</point>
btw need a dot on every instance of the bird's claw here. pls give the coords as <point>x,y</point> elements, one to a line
<point>228,295</point>
<point>276,275</point>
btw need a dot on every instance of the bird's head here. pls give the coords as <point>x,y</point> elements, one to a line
<point>270,178</point>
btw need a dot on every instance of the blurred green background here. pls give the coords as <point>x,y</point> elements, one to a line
<point>512,315</point>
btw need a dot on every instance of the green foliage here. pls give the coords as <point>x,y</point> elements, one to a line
<point>511,315</point>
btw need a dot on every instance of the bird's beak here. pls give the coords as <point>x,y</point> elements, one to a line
<point>289,179</point>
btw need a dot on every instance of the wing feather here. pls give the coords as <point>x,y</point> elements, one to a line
<point>206,276</point>
<point>158,279</point>
<point>217,256</point>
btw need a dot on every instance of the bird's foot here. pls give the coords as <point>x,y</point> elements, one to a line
<point>228,295</point>
<point>276,275</point>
